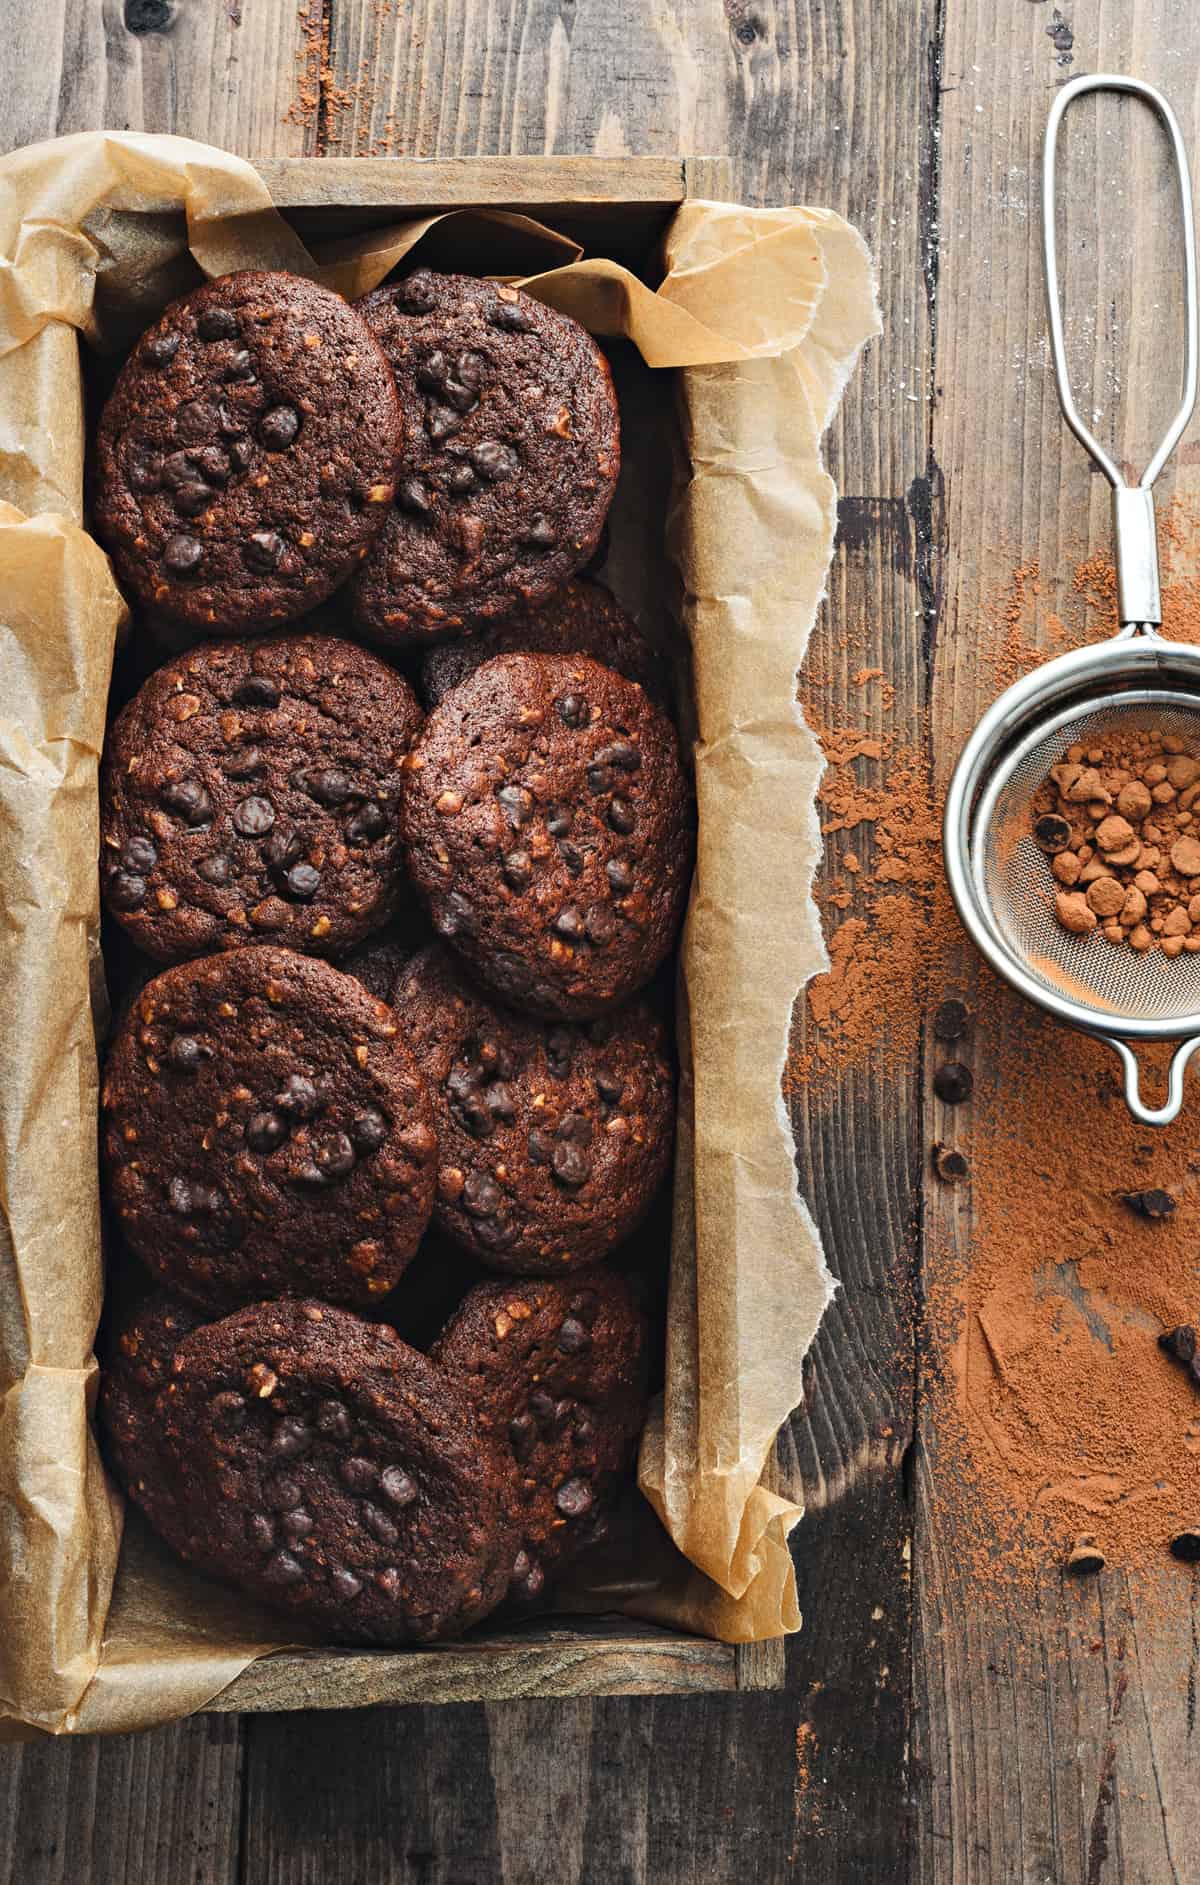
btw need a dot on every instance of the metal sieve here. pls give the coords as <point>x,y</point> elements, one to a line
<point>1136,680</point>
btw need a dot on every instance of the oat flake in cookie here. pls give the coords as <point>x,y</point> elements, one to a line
<point>250,793</point>
<point>510,456</point>
<point>246,456</point>
<point>580,618</point>
<point>556,1373</point>
<point>319,1463</point>
<point>265,1133</point>
<point>548,825</point>
<point>552,1137</point>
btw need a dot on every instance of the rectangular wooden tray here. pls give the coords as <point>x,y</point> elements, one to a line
<point>619,208</point>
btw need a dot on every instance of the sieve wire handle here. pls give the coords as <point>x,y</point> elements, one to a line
<point>1154,1115</point>
<point>1138,600</point>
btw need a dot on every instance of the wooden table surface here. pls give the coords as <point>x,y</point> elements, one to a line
<point>915,1739</point>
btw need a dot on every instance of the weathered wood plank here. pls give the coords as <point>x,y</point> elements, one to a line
<point>1053,1726</point>
<point>158,1807</point>
<point>317,182</point>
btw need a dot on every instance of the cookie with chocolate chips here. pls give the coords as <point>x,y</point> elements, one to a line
<point>266,1133</point>
<point>323,1466</point>
<point>250,793</point>
<point>246,456</point>
<point>552,1137</point>
<point>509,462</point>
<point>548,825</point>
<point>580,618</point>
<point>137,1367</point>
<point>556,1374</point>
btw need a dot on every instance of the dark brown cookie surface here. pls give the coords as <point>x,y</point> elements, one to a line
<point>136,1369</point>
<point>548,825</point>
<point>246,456</point>
<point>250,793</point>
<point>552,1138</point>
<point>580,618</point>
<point>266,1133</point>
<point>510,457</point>
<point>556,1375</point>
<point>322,1465</point>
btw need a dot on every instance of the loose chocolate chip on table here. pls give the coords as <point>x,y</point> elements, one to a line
<point>950,1164</point>
<point>1186,1547</point>
<point>1085,1558</point>
<point>1152,1204</point>
<point>953,1082</point>
<point>950,1020</point>
<point>1179,1343</point>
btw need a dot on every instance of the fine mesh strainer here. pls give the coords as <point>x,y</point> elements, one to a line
<point>999,878</point>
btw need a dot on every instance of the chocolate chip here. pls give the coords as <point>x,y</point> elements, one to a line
<point>601,924</point>
<point>144,471</point>
<point>560,1048</point>
<point>608,1085</point>
<point>1179,1343</point>
<point>599,778</point>
<point>291,1438</point>
<point>541,1147</point>
<point>442,422</point>
<point>260,1531</point>
<point>621,817</point>
<point>278,427</point>
<point>243,762</point>
<point>298,1097</point>
<point>126,890</point>
<point>254,817</point>
<point>262,551</point>
<point>214,464</point>
<point>541,534</point>
<point>622,755</point>
<point>193,421</point>
<point>493,461</point>
<point>329,785</point>
<point>344,1582</point>
<point>178,468</point>
<point>583,1431</point>
<point>510,317</point>
<point>516,804</point>
<point>521,1437</point>
<point>559,819</point>
<point>181,555</point>
<point>1186,1547</point>
<point>357,1474</point>
<point>499,1101</point>
<point>257,690</point>
<point>950,1165</point>
<point>542,1408</point>
<point>572,710</point>
<point>334,1157</point>
<point>575,1126</point>
<point>620,876</point>
<point>188,1198</point>
<point>284,1569</point>
<point>517,869</point>
<point>570,923</point>
<point>283,1493</point>
<point>368,1130</point>
<point>187,1055</point>
<point>228,1411</point>
<point>571,1166</point>
<point>265,1131</point>
<point>158,350</point>
<point>232,425</point>
<point>574,1498</point>
<point>456,916</point>
<point>528,1578</point>
<point>217,869</point>
<point>239,366</point>
<point>462,479</point>
<point>388,1580</point>
<point>571,856</point>
<point>282,848</point>
<point>367,824</point>
<point>432,372</point>
<point>412,495</point>
<point>302,883</point>
<point>189,799</point>
<point>1152,1204</point>
<point>380,1525</point>
<point>573,1338</point>
<point>397,1487</point>
<point>480,1196</point>
<point>953,1082</point>
<point>217,324</point>
<point>416,294</point>
<point>296,1524</point>
<point>191,499</point>
<point>332,1419</point>
<point>950,1020</point>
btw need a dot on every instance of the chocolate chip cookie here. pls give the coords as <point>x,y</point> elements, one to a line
<point>552,1138</point>
<point>265,1132</point>
<point>556,1373</point>
<point>322,1465</point>
<point>548,825</point>
<point>138,1366</point>
<point>246,456</point>
<point>250,793</point>
<point>580,618</point>
<point>510,456</point>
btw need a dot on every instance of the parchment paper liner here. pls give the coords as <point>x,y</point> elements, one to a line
<point>767,310</point>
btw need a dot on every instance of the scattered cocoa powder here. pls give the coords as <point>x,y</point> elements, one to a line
<point>1054,1419</point>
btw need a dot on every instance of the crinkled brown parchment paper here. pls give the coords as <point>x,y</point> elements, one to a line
<point>767,310</point>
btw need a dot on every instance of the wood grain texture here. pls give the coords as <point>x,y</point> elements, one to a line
<point>1054,1728</point>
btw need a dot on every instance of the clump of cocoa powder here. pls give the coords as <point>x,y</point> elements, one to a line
<point>1117,824</point>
